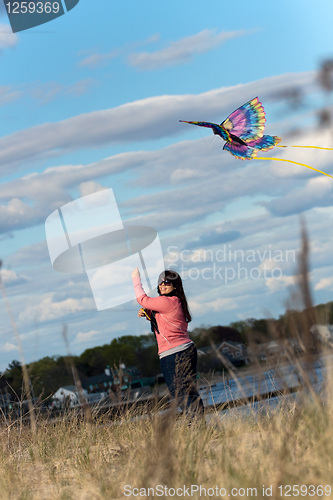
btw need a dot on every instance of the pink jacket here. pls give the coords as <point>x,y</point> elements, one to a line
<point>169,317</point>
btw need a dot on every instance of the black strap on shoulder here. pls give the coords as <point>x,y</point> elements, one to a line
<point>153,323</point>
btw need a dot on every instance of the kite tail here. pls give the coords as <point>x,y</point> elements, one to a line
<point>295,162</point>
<point>309,147</point>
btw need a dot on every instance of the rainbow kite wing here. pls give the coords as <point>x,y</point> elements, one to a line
<point>240,151</point>
<point>247,122</point>
<point>264,143</point>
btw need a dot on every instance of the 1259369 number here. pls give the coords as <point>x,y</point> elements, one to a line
<point>304,490</point>
<point>32,7</point>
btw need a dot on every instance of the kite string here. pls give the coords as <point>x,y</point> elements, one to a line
<point>208,146</point>
<point>295,162</point>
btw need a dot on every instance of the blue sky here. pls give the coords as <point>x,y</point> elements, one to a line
<point>93,99</point>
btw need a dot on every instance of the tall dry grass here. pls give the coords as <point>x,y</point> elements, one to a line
<point>73,459</point>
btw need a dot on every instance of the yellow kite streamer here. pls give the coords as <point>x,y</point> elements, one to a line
<point>295,162</point>
<point>310,147</point>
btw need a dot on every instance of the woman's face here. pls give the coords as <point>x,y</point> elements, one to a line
<point>166,286</point>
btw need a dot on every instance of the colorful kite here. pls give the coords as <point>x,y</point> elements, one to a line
<point>243,132</point>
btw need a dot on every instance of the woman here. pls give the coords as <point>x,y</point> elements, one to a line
<point>169,316</point>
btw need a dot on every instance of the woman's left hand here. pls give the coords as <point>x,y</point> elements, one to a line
<point>136,273</point>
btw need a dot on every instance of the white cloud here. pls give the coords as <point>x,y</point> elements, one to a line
<point>28,256</point>
<point>221,304</point>
<point>8,347</point>
<point>10,277</point>
<point>325,284</point>
<point>49,91</point>
<point>97,60</point>
<point>280,282</point>
<point>8,39</point>
<point>184,174</point>
<point>83,337</point>
<point>16,214</point>
<point>318,190</point>
<point>217,305</point>
<point>47,309</point>
<point>8,94</point>
<point>94,59</point>
<point>182,50</point>
<point>90,187</point>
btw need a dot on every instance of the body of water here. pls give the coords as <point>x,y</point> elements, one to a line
<point>271,384</point>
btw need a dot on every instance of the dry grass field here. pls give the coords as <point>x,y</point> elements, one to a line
<point>253,456</point>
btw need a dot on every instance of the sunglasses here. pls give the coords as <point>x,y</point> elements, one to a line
<point>165,282</point>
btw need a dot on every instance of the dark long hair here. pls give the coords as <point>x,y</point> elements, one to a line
<point>178,290</point>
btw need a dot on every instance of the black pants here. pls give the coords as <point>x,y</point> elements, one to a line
<point>179,371</point>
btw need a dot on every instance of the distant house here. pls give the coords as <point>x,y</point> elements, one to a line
<point>234,351</point>
<point>209,357</point>
<point>112,379</point>
<point>67,396</point>
<point>98,383</point>
<point>99,386</point>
